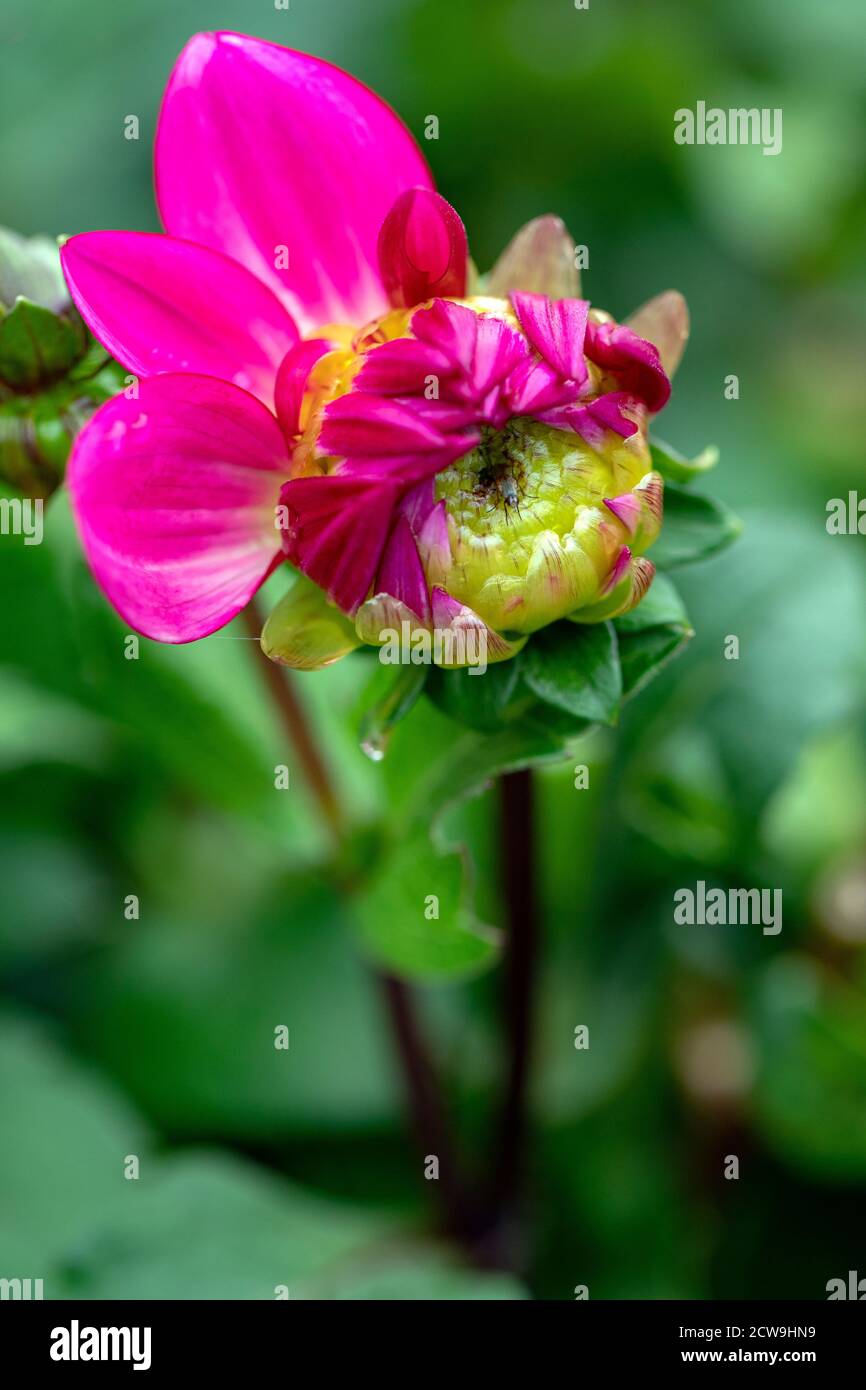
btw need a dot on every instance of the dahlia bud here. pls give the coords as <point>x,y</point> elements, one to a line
<point>478,465</point>
<point>53,374</point>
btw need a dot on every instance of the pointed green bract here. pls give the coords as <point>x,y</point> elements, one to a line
<point>306,631</point>
<point>540,258</point>
<point>676,467</point>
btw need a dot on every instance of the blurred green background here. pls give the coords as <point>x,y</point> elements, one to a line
<point>154,1037</point>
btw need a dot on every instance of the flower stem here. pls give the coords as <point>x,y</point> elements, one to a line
<point>517,850</point>
<point>425,1102</point>
<point>295,723</point>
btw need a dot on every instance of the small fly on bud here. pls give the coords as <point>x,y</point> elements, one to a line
<point>507,487</point>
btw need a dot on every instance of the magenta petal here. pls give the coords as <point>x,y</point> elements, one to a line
<point>434,541</point>
<point>535,386</point>
<point>499,349</point>
<point>337,529</point>
<point>594,417</point>
<point>404,367</point>
<point>627,509</point>
<point>174,496</point>
<point>292,381</point>
<point>618,570</point>
<point>634,361</point>
<point>161,305</point>
<point>481,349</point>
<point>357,425</point>
<point>417,504</point>
<point>401,574</point>
<point>287,164</point>
<point>408,469</point>
<point>422,249</point>
<point>450,328</point>
<point>448,613</point>
<point>556,329</point>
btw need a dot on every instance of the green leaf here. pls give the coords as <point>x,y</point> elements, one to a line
<point>651,634</point>
<point>676,468</point>
<point>661,606</point>
<point>412,918</point>
<point>694,528</point>
<point>37,345</point>
<point>575,668</point>
<point>485,701</point>
<point>387,698</point>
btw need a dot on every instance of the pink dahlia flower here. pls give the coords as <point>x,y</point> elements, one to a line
<point>324,379</point>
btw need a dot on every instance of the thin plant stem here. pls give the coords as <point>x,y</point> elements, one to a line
<point>425,1103</point>
<point>517,850</point>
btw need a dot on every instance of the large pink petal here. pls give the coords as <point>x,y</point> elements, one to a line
<point>162,305</point>
<point>261,148</point>
<point>174,495</point>
<point>422,249</point>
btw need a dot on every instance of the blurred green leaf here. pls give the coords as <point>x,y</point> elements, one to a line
<point>811,1090</point>
<point>61,636</point>
<point>183,1013</point>
<point>64,1138</point>
<point>694,528</point>
<point>413,918</point>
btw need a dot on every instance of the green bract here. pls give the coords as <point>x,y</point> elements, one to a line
<point>53,374</point>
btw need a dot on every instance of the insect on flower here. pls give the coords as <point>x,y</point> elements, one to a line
<point>326,381</point>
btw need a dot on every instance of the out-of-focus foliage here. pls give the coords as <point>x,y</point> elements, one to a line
<point>152,778</point>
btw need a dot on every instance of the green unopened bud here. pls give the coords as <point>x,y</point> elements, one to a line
<point>53,374</point>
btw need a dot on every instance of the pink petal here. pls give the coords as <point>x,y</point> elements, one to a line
<point>618,570</point>
<point>292,381</point>
<point>404,367</point>
<point>482,350</point>
<point>451,329</point>
<point>357,425</point>
<point>417,504</point>
<point>634,361</point>
<point>337,531</point>
<point>594,417</point>
<point>162,305</point>
<point>174,496</point>
<point>448,613</point>
<point>260,148</point>
<point>434,542</point>
<point>400,573</point>
<point>627,509</point>
<point>422,249</point>
<point>375,436</point>
<point>556,329</point>
<point>535,386</point>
